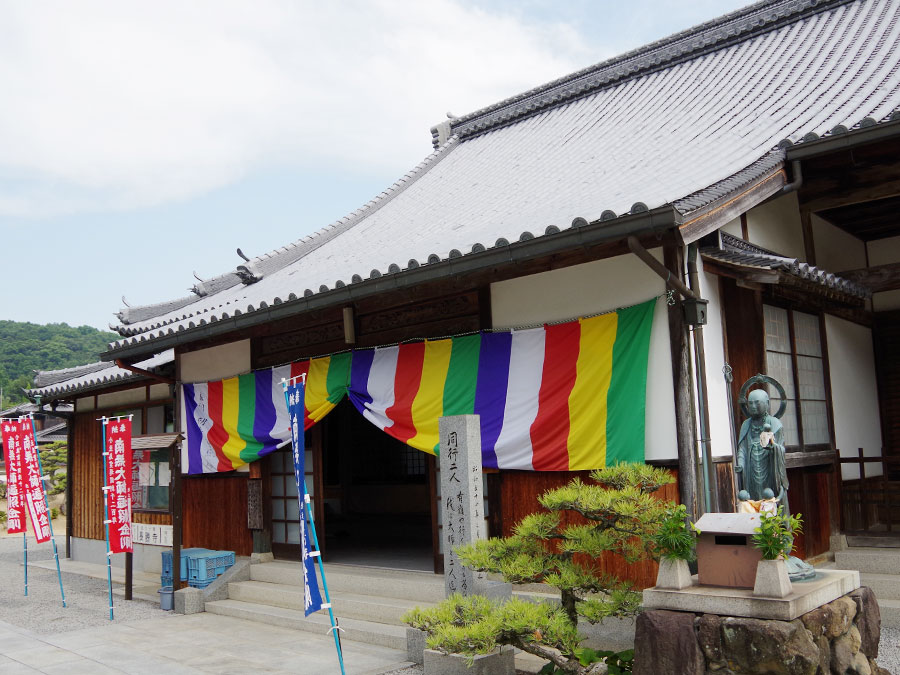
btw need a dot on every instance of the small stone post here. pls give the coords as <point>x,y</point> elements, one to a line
<point>461,498</point>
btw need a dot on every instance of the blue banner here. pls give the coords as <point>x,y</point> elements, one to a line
<point>295,399</point>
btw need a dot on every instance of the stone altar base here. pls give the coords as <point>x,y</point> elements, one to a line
<point>837,638</point>
<point>805,597</point>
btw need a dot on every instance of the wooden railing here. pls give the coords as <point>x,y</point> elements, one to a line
<point>870,504</point>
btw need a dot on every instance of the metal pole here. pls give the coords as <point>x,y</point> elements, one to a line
<point>312,528</point>
<point>25,556</point>
<point>106,524</point>
<point>47,506</point>
<point>315,539</point>
<point>702,395</point>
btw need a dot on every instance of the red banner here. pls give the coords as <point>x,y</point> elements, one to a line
<point>15,493</point>
<point>35,496</point>
<point>118,484</point>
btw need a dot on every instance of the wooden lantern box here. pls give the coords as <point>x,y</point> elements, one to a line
<point>726,555</point>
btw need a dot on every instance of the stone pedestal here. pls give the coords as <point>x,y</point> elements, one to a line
<point>673,574</point>
<point>500,662</point>
<point>840,636</point>
<point>772,579</point>
<point>462,507</point>
<point>804,597</point>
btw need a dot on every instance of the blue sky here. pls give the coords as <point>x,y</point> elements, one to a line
<point>143,142</point>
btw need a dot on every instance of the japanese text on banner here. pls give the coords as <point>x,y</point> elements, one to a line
<point>35,497</point>
<point>118,482</point>
<point>312,597</point>
<point>15,493</point>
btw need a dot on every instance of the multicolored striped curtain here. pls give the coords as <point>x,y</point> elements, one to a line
<point>556,398</point>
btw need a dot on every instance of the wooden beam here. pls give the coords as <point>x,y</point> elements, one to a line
<point>716,215</point>
<point>878,278</point>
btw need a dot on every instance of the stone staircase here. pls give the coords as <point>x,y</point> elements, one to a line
<point>368,602</point>
<point>879,569</point>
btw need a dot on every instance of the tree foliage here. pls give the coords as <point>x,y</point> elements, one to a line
<point>620,516</point>
<point>26,347</point>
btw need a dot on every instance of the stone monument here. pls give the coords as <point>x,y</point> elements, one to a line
<point>462,508</point>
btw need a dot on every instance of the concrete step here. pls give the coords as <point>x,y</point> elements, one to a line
<point>346,605</point>
<point>890,613</point>
<point>869,560</point>
<point>403,584</point>
<point>382,634</point>
<point>885,586</point>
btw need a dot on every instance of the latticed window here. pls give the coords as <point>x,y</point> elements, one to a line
<point>794,357</point>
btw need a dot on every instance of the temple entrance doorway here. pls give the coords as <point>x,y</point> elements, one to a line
<point>378,495</point>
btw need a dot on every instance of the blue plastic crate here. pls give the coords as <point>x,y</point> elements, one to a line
<point>197,583</point>
<point>208,566</point>
<point>186,554</point>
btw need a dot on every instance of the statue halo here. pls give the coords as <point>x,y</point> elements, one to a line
<point>762,379</point>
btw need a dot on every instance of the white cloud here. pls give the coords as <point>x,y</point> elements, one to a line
<point>116,105</point>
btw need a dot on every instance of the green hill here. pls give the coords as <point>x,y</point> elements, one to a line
<point>26,347</point>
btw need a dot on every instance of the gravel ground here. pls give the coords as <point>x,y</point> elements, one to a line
<point>41,611</point>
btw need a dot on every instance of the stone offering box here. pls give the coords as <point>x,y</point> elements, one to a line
<point>726,555</point>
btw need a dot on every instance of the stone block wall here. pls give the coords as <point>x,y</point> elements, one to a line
<point>838,638</point>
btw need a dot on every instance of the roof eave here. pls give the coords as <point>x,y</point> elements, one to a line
<point>649,222</point>
<point>851,139</point>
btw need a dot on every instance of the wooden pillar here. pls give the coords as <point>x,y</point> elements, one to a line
<point>685,414</point>
<point>175,462</point>
<point>70,473</point>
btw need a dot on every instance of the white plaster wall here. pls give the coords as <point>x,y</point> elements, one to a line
<point>836,250</point>
<point>592,288</point>
<point>884,251</point>
<point>776,226</point>
<point>158,391</point>
<point>733,227</point>
<point>714,345</point>
<point>216,363</point>
<point>84,404</point>
<point>120,398</point>
<point>854,393</point>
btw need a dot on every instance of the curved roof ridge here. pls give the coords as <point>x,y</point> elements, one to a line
<point>283,256</point>
<point>712,35</point>
<point>270,262</point>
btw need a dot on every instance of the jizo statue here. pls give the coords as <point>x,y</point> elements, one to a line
<point>760,463</point>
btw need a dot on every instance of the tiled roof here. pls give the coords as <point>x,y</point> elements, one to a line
<point>50,383</point>
<point>683,122</point>
<point>739,253</point>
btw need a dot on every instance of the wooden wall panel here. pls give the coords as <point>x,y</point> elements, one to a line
<point>887,359</point>
<point>86,478</point>
<point>215,514</point>
<point>520,491</point>
<point>810,495</point>
<point>744,330</point>
<point>150,518</point>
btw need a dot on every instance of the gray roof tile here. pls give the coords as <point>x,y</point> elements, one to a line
<point>685,122</point>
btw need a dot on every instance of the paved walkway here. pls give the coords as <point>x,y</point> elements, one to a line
<point>199,643</point>
<point>38,635</point>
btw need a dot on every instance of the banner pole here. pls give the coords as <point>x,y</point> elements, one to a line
<point>25,556</point>
<point>306,511</point>
<point>106,524</point>
<point>47,506</point>
<point>315,539</point>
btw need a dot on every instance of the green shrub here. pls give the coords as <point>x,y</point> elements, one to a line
<point>54,513</point>
<point>621,517</point>
<point>775,535</point>
<point>677,536</point>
